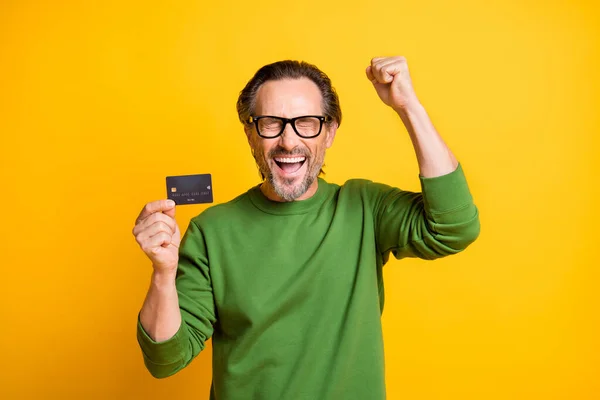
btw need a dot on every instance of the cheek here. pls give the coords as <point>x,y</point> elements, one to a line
<point>319,149</point>
<point>264,149</point>
<point>313,147</point>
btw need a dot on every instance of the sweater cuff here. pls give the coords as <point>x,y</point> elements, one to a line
<point>166,352</point>
<point>447,192</point>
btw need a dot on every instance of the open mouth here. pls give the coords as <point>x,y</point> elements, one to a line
<point>290,165</point>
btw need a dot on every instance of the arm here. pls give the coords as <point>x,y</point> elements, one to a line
<point>441,220</point>
<point>178,314</point>
<point>433,155</point>
<point>391,80</point>
<point>160,315</point>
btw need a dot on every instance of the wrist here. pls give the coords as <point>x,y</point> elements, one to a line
<point>164,278</point>
<point>409,109</point>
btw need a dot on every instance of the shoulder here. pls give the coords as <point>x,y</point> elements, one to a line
<point>223,212</point>
<point>364,187</point>
<point>374,195</point>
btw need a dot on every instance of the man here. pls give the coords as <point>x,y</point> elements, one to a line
<point>287,277</point>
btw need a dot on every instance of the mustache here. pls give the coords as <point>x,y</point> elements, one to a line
<point>279,152</point>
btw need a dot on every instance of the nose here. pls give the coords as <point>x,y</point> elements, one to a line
<point>288,139</point>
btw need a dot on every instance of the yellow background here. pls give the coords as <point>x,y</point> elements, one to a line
<point>99,101</point>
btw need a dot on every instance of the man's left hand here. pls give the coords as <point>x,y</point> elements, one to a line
<point>392,82</point>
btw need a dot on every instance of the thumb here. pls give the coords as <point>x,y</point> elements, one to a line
<point>370,76</point>
<point>157,251</point>
<point>169,209</point>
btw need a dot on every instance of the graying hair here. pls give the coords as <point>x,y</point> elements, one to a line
<point>289,69</point>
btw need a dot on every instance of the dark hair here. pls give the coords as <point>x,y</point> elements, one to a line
<point>289,69</point>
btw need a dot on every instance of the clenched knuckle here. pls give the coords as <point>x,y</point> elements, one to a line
<point>152,219</point>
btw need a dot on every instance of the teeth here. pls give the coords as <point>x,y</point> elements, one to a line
<point>290,160</point>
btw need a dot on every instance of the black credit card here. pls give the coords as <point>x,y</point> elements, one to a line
<point>190,189</point>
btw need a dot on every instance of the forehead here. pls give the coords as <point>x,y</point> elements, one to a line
<point>289,98</point>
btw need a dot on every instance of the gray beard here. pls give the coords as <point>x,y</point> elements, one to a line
<point>280,189</point>
<point>296,191</point>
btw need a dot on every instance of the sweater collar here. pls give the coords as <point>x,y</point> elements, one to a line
<point>290,207</point>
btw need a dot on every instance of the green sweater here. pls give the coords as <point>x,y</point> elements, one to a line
<point>292,293</point>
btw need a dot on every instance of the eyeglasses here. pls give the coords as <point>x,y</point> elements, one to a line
<point>306,126</point>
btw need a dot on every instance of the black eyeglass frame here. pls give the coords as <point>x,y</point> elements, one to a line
<point>291,121</point>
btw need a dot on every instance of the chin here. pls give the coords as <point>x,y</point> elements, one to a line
<point>291,189</point>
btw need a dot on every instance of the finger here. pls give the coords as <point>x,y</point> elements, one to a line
<point>157,250</point>
<point>156,217</point>
<point>153,230</point>
<point>154,207</point>
<point>377,59</point>
<point>370,75</point>
<point>161,239</point>
<point>378,62</point>
<point>166,216</point>
<point>152,242</point>
<point>161,249</point>
<point>385,70</point>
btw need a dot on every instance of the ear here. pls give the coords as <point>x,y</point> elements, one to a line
<point>331,130</point>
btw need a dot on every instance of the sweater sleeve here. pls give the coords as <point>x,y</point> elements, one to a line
<point>440,221</point>
<point>196,304</point>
